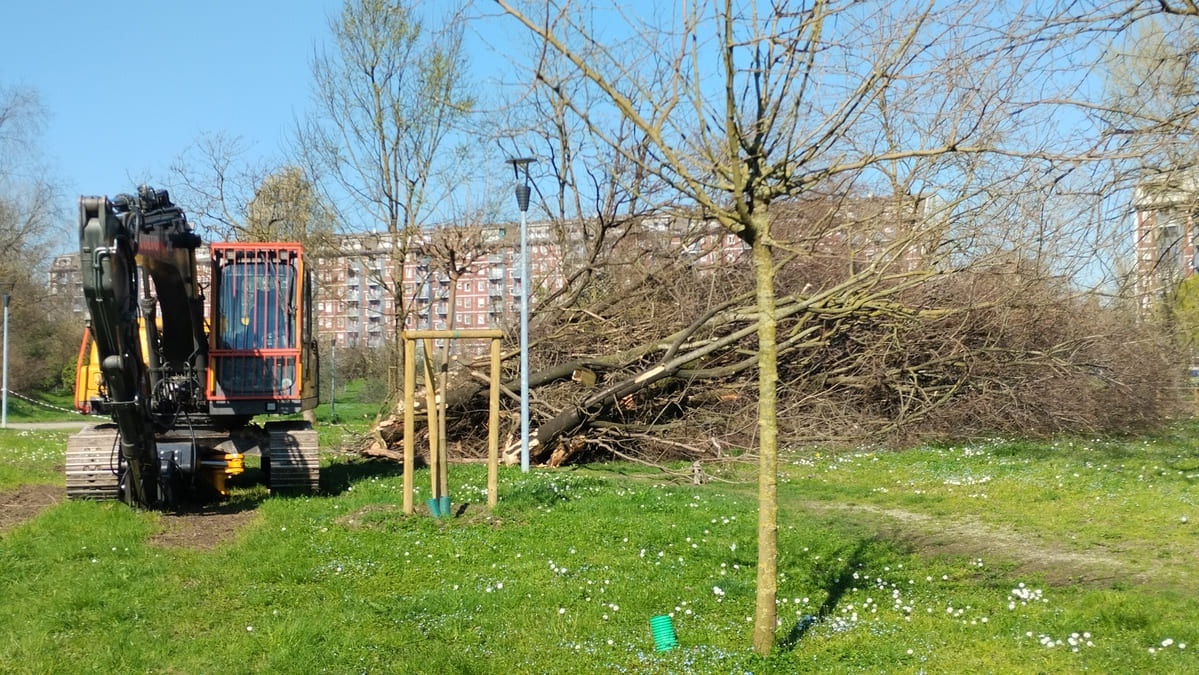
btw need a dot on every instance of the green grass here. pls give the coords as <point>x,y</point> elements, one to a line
<point>1136,497</point>
<point>44,407</point>
<point>567,571</point>
<point>31,457</point>
<point>345,417</point>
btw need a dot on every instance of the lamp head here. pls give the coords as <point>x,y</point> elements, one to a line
<point>521,165</point>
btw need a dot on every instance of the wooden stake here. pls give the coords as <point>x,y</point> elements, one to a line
<point>431,421</point>
<point>409,422</point>
<point>493,428</point>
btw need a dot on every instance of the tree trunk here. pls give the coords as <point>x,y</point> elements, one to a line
<point>765,613</point>
<point>395,364</point>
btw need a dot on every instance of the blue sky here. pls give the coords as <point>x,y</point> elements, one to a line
<point>129,85</point>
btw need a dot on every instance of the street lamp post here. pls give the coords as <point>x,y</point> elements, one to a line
<point>4,384</point>
<point>333,380</point>
<point>520,167</point>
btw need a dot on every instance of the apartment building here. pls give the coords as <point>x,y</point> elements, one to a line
<point>357,285</point>
<point>355,302</point>
<point>1166,239</point>
<point>356,305</point>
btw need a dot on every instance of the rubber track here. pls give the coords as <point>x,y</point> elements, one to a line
<point>294,457</point>
<point>92,463</point>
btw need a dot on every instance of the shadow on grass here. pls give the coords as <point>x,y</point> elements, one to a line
<point>245,492</point>
<point>838,582</point>
<point>336,477</point>
<point>249,489</point>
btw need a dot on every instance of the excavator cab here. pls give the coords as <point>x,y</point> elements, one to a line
<point>261,355</point>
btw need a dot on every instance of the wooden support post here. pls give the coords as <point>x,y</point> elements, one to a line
<point>431,422</point>
<point>443,456</point>
<point>493,428</point>
<point>409,422</point>
<point>438,461</point>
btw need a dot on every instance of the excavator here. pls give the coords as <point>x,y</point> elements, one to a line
<point>182,387</point>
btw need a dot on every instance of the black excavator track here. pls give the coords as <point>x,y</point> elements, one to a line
<point>289,450</point>
<point>293,462</point>
<point>92,463</point>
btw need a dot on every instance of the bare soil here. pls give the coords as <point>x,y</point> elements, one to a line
<point>202,528</point>
<point>199,528</point>
<point>26,501</point>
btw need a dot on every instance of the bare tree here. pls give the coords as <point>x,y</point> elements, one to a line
<point>1151,92</point>
<point>27,191</point>
<point>42,339</point>
<point>214,180</point>
<point>1150,111</point>
<point>740,109</point>
<point>235,197</point>
<point>389,93</point>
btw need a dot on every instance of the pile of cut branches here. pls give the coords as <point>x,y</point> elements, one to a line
<point>655,359</point>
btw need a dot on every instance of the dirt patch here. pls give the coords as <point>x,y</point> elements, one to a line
<point>202,529</point>
<point>25,502</point>
<point>368,515</point>
<point>968,537</point>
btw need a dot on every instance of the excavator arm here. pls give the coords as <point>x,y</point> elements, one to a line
<point>124,244</point>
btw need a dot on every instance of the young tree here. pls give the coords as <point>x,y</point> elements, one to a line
<point>286,207</point>
<point>388,94</point>
<point>235,198</point>
<point>743,108</point>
